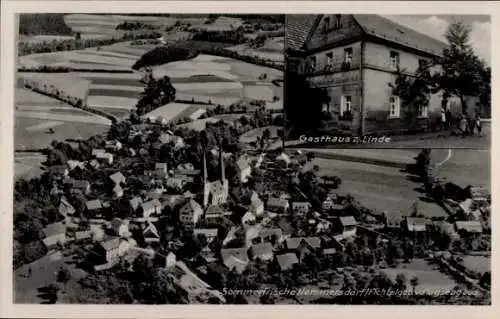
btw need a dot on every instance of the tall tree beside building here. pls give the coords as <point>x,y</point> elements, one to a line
<point>461,67</point>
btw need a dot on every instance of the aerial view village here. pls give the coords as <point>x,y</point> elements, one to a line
<point>150,168</point>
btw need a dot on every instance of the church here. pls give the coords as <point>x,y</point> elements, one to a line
<point>216,192</point>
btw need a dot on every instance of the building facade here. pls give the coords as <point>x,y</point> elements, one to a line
<point>350,60</point>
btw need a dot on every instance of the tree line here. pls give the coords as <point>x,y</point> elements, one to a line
<point>43,24</point>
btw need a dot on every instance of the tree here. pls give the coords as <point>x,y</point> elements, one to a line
<point>414,283</point>
<point>63,275</point>
<point>414,92</point>
<point>461,68</point>
<point>401,281</point>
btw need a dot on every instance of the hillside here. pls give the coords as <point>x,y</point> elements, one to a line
<point>43,24</point>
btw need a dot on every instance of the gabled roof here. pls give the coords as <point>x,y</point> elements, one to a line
<point>93,204</point>
<point>286,261</point>
<point>161,166</point>
<point>236,258</point>
<point>300,27</point>
<point>65,208</point>
<point>111,243</point>
<point>209,232</point>
<point>469,226</point>
<point>348,221</point>
<point>135,202</point>
<point>151,230</point>
<point>54,229</point>
<point>384,28</point>
<point>151,205</point>
<point>117,177</point>
<point>191,205</point>
<point>261,249</point>
<point>294,242</point>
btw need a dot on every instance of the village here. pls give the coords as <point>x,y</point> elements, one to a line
<point>242,219</point>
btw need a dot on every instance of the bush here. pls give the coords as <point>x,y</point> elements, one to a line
<point>162,55</point>
<point>135,26</point>
<point>229,36</point>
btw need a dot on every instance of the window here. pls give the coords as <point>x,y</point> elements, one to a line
<point>345,106</point>
<point>338,21</point>
<point>394,106</point>
<point>329,60</point>
<point>423,110</point>
<point>348,55</point>
<point>394,60</point>
<point>312,64</point>
<point>326,24</point>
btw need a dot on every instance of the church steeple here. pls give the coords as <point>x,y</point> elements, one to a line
<point>205,175</point>
<point>221,163</point>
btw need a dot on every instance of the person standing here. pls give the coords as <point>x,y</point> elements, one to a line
<point>448,118</point>
<point>463,125</point>
<point>443,119</point>
<point>478,125</point>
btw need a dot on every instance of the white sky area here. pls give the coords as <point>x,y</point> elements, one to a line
<point>435,26</point>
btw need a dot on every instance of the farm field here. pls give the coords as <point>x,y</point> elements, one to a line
<point>430,279</point>
<point>199,125</point>
<point>69,83</point>
<point>221,24</point>
<point>35,114</point>
<point>28,165</point>
<point>273,49</point>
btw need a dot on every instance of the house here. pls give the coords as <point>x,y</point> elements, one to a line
<point>262,252</point>
<point>283,159</point>
<point>65,207</point>
<point>135,203</point>
<point>108,251</point>
<point>414,224</point>
<point>278,205</point>
<point>348,61</point>
<point>117,178</point>
<point>294,243</point>
<point>59,171</point>
<point>346,226</point>
<point>175,140</point>
<point>235,258</point>
<point>120,227</point>
<point>248,218</point>
<point>190,213</point>
<point>176,184</point>
<point>151,207</point>
<point>186,169</point>
<point>170,260</point>
<point>93,163</point>
<point>113,145</point>
<point>209,233</point>
<point>245,170</point>
<point>93,206</point>
<point>106,158</point>
<point>83,234</point>
<point>323,226</point>
<point>97,151</point>
<point>171,200</point>
<point>81,186</point>
<point>466,228</point>
<point>97,232</point>
<point>117,191</point>
<point>448,229</point>
<point>256,205</point>
<point>72,164</point>
<point>151,234</point>
<point>214,213</point>
<point>286,261</point>
<point>54,234</point>
<point>301,208</point>
<point>161,168</point>
<point>286,226</point>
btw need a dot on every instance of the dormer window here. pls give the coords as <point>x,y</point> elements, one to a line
<point>338,21</point>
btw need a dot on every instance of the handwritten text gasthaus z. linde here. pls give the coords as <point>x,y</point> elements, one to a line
<point>328,139</point>
<point>365,292</point>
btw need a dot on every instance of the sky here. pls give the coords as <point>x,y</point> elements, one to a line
<point>436,25</point>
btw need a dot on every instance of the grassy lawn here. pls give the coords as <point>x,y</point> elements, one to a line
<point>44,272</point>
<point>480,264</point>
<point>429,276</point>
<point>24,137</point>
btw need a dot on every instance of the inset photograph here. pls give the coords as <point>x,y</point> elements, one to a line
<point>397,81</point>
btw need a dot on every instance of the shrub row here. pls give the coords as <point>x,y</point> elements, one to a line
<point>65,69</point>
<point>79,44</point>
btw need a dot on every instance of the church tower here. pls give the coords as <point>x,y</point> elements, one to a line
<point>206,184</point>
<point>223,179</point>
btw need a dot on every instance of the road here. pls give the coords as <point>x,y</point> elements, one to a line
<point>391,189</point>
